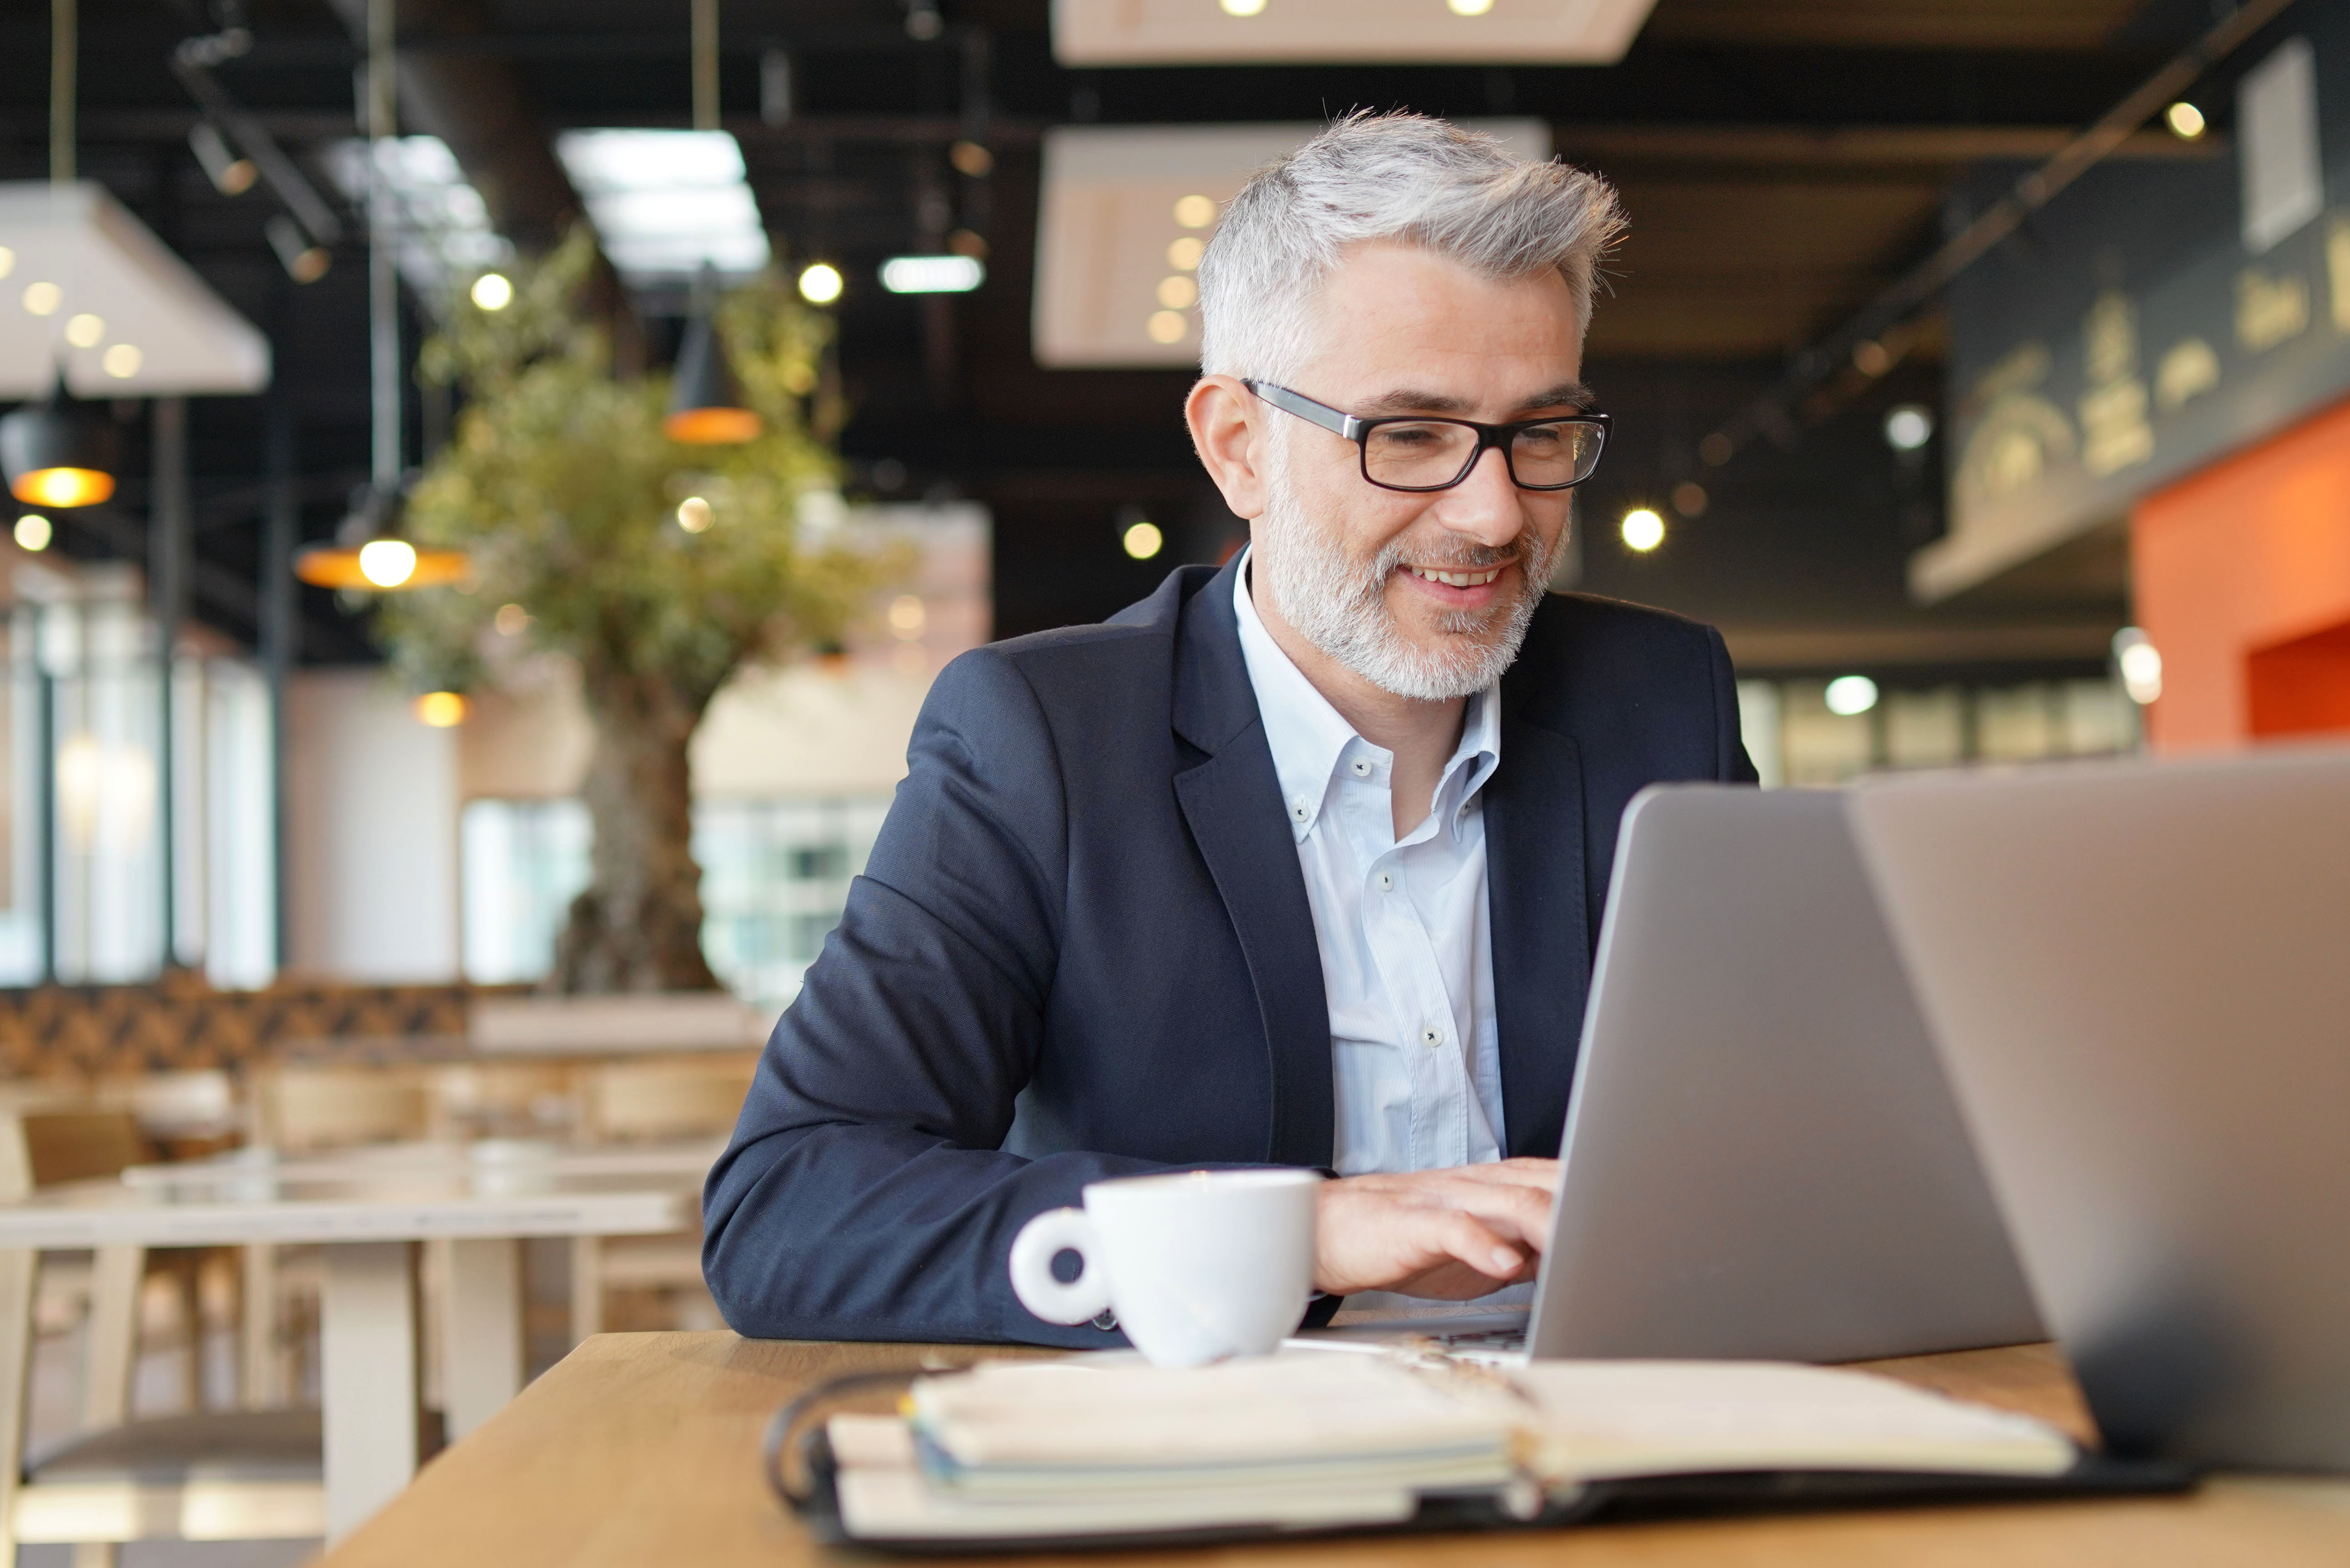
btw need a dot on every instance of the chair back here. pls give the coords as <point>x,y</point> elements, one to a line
<point>503,1099</point>
<point>305,1108</point>
<point>671,1098</point>
<point>81,1145</point>
<point>194,1105</point>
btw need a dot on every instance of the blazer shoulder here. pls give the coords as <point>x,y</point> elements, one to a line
<point>1620,668</point>
<point>1111,661</point>
<point>1594,618</point>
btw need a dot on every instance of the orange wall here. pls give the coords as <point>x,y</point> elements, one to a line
<point>2242,578</point>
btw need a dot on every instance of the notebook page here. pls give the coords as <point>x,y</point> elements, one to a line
<point>1599,1419</point>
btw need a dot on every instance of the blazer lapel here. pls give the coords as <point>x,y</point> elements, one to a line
<point>1232,800</point>
<point>1541,933</point>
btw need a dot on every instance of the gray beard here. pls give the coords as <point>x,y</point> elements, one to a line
<point>1341,609</point>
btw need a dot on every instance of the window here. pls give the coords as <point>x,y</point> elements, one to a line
<point>774,877</point>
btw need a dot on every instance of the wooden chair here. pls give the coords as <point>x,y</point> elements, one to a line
<point>301,1109</point>
<point>236,1474</point>
<point>646,1100</point>
<point>189,1113</point>
<point>306,1109</point>
<point>503,1099</point>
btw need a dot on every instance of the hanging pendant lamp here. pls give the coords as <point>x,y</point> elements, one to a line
<point>705,402</point>
<point>55,453</point>
<point>368,555</point>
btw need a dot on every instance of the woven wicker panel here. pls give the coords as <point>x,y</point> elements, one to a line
<point>179,1022</point>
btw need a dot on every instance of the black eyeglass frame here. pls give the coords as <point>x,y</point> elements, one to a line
<point>1358,431</point>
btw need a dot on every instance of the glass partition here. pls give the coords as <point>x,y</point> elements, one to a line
<point>126,834</point>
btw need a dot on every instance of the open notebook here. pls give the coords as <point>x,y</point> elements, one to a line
<point>1081,1452</point>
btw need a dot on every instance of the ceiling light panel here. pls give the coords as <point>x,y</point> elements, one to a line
<point>664,203</point>
<point>124,315</point>
<point>441,223</point>
<point>1203,32</point>
<point>1125,213</point>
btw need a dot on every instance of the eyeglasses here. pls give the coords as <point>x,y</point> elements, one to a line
<point>1411,452</point>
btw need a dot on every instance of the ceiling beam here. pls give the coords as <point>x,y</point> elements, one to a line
<point>1854,146</point>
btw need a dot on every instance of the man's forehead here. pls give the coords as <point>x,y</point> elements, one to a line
<point>1400,328</point>
<point>1416,396</point>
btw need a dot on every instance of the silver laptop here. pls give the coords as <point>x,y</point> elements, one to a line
<point>1761,1158</point>
<point>2140,976</point>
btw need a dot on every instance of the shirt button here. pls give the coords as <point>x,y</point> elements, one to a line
<point>1299,809</point>
<point>1431,1036</point>
<point>1387,881</point>
<point>1361,768</point>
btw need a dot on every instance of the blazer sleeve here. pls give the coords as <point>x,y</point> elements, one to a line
<point>1730,742</point>
<point>865,1194</point>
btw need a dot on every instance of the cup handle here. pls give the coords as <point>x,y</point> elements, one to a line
<point>1045,1238</point>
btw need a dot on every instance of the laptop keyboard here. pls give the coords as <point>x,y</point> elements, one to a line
<point>1491,1340</point>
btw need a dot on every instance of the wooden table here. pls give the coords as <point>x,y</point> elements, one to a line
<point>367,1223</point>
<point>645,1449</point>
<point>485,1161</point>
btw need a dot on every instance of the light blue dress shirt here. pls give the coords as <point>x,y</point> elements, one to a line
<point>1402,925</point>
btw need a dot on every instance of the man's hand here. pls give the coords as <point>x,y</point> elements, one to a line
<point>1449,1234</point>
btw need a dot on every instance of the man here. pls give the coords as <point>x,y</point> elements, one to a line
<point>1279,865</point>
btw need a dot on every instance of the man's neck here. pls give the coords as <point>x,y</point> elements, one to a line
<point>1420,734</point>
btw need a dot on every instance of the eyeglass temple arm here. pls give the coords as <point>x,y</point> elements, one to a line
<point>1343,425</point>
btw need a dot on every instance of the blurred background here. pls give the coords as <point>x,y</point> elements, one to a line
<point>492,481</point>
<point>1906,496</point>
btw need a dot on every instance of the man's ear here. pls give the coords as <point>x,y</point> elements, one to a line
<point>1222,416</point>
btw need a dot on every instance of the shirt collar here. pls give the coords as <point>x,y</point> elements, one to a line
<point>1308,737</point>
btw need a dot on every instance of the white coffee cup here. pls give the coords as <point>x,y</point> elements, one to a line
<point>1198,1266</point>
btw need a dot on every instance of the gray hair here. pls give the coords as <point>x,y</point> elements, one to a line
<point>1403,177</point>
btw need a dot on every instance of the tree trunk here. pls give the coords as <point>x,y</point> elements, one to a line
<point>638,927</point>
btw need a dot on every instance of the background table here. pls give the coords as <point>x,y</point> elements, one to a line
<point>644,1448</point>
<point>483,1161</point>
<point>367,1223</point>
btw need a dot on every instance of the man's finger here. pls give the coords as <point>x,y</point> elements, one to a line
<point>1522,1213</point>
<point>1463,1238</point>
<point>1542,1173</point>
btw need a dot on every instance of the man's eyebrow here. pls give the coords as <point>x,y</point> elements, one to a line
<point>1574,394</point>
<point>1414,400</point>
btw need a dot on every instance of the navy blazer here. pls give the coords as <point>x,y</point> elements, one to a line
<point>1082,948</point>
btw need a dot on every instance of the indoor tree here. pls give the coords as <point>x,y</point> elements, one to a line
<point>659,569</point>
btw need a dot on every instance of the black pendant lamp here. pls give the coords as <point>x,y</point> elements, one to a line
<point>705,402</point>
<point>57,453</point>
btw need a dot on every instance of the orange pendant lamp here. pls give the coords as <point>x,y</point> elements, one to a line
<point>57,454</point>
<point>367,557</point>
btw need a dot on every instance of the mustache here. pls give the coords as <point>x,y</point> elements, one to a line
<point>1455,557</point>
<point>1450,556</point>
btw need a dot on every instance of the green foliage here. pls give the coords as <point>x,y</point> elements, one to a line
<point>560,486</point>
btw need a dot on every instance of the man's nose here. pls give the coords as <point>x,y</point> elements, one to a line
<point>1486,507</point>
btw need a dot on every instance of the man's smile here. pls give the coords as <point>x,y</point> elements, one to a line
<point>1456,587</point>
<point>1454,579</point>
